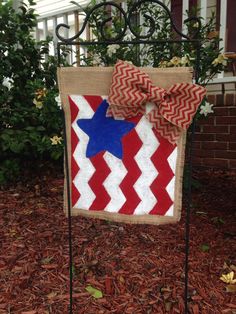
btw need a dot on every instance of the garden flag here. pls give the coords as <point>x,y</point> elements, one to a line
<point>126,140</point>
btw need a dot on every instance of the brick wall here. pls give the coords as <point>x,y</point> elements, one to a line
<point>215,138</point>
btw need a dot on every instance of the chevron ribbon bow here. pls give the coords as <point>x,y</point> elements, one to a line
<point>174,109</point>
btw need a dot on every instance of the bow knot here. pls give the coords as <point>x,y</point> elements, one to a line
<point>132,89</point>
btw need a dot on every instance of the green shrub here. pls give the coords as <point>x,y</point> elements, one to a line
<point>29,114</point>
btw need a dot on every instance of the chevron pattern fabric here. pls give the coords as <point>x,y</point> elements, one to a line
<point>142,182</point>
<point>131,89</point>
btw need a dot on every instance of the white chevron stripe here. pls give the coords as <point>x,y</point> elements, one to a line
<point>170,212</point>
<point>171,188</point>
<point>149,172</point>
<point>86,168</point>
<point>172,159</point>
<point>113,181</point>
<point>171,185</point>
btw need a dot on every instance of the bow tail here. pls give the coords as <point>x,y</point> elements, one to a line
<point>163,127</point>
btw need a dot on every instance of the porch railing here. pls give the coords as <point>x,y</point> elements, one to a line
<point>70,15</point>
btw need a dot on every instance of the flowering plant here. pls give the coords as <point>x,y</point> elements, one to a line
<point>29,114</point>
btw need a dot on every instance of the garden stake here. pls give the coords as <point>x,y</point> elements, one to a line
<point>69,217</point>
<point>139,39</point>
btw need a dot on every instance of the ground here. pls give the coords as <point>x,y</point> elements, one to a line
<point>138,268</point>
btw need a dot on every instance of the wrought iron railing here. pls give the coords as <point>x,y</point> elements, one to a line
<point>71,16</point>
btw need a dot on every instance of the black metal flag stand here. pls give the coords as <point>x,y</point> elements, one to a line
<point>127,18</point>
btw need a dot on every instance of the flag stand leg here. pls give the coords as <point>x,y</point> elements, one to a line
<point>70,242</point>
<point>187,219</point>
<point>147,40</point>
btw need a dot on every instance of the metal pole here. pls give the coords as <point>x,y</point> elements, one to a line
<point>197,45</point>
<point>69,217</point>
<point>187,219</point>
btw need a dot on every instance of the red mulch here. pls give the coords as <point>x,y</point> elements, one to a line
<point>138,268</point>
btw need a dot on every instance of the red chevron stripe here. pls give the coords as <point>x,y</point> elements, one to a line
<point>74,142</point>
<point>127,185</point>
<point>93,101</point>
<point>96,182</point>
<point>165,174</point>
<point>74,110</point>
<point>101,168</point>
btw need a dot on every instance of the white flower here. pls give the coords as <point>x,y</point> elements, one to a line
<point>196,25</point>
<point>129,62</point>
<point>56,140</point>
<point>175,61</point>
<point>128,37</point>
<point>7,82</point>
<point>221,59</point>
<point>163,64</point>
<point>206,109</point>
<point>96,60</point>
<point>112,49</point>
<point>184,60</point>
<point>58,100</point>
<point>38,103</point>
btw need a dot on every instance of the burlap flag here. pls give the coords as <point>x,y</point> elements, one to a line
<point>121,169</point>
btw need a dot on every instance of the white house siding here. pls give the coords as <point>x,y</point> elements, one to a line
<point>48,8</point>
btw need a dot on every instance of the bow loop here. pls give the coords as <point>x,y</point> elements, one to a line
<point>131,89</point>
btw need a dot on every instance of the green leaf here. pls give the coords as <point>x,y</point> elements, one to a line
<point>205,247</point>
<point>41,128</point>
<point>97,294</point>
<point>73,269</point>
<point>16,147</point>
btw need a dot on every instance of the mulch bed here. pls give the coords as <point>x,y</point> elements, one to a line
<point>138,268</point>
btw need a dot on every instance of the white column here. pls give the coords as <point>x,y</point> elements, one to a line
<point>67,35</point>
<point>45,28</point>
<point>167,3</point>
<point>16,4</point>
<point>65,21</point>
<point>184,16</point>
<point>223,20</point>
<point>55,39</point>
<point>203,9</point>
<point>45,33</point>
<point>36,34</point>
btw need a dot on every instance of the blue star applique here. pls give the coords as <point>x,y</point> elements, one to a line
<point>105,133</point>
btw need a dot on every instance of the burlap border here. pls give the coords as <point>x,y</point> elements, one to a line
<point>96,81</point>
